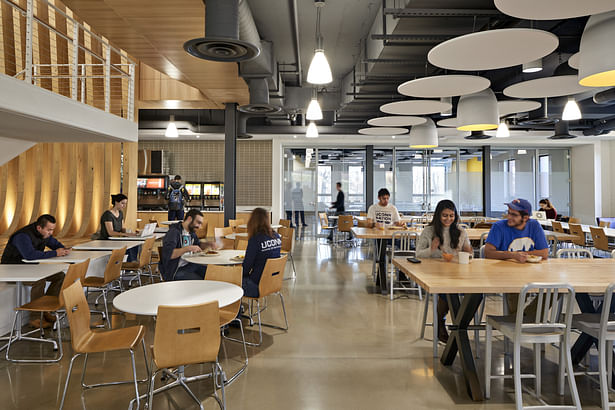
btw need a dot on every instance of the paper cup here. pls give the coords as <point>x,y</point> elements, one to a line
<point>464,258</point>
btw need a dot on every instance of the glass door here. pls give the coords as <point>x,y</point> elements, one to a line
<point>300,166</point>
<point>346,166</point>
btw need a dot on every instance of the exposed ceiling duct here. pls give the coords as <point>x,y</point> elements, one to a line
<point>224,40</point>
<point>562,131</point>
<point>601,127</point>
<point>605,97</point>
<point>539,116</point>
<point>259,98</point>
<point>242,122</point>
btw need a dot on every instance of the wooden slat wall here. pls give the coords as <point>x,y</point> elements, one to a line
<point>73,182</point>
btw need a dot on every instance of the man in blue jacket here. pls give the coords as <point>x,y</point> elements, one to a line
<point>180,239</point>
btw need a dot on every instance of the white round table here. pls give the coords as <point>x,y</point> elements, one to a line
<point>222,258</point>
<point>145,300</point>
<point>168,222</point>
<point>240,235</point>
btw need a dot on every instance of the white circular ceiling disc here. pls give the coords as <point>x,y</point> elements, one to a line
<point>515,106</point>
<point>383,131</point>
<point>557,86</point>
<point>573,61</point>
<point>396,121</point>
<point>553,9</point>
<point>444,86</point>
<point>493,49</point>
<point>415,107</point>
<point>448,122</point>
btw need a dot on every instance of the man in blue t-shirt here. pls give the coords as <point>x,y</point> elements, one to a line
<point>515,238</point>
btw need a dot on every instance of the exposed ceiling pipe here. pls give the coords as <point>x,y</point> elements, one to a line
<point>605,97</point>
<point>416,12</point>
<point>601,127</point>
<point>562,131</point>
<point>294,18</point>
<point>259,98</point>
<point>224,40</point>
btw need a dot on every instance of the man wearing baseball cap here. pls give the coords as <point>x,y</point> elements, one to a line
<point>515,238</point>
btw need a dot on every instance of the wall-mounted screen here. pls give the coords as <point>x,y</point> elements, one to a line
<point>155,183</point>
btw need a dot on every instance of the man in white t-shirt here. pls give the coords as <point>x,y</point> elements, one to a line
<point>385,213</point>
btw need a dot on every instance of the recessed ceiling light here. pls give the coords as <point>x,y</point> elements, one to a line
<point>198,136</point>
<point>521,152</point>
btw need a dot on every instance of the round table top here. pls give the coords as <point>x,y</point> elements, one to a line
<point>240,235</point>
<point>222,258</point>
<point>168,222</point>
<point>145,300</point>
<point>245,226</point>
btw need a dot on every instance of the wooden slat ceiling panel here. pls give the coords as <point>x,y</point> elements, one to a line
<point>154,32</point>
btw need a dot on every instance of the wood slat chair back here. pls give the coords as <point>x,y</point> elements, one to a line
<point>600,240</point>
<point>605,224</point>
<point>345,223</point>
<point>288,238</point>
<point>285,223</point>
<point>234,223</point>
<point>145,258</point>
<point>114,266</point>
<point>573,220</point>
<point>577,230</point>
<point>557,226</point>
<point>324,221</point>
<point>75,273</point>
<point>241,244</point>
<point>187,335</point>
<point>229,274</point>
<point>220,233</point>
<point>201,233</point>
<point>78,313</point>
<point>272,277</point>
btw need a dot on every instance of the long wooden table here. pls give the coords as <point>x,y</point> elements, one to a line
<point>496,276</point>
<point>475,234</point>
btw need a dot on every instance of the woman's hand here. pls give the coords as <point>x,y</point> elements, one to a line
<point>435,244</point>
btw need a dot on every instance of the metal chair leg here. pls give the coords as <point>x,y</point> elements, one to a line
<point>488,362</point>
<point>425,309</point>
<point>134,375</point>
<point>70,369</point>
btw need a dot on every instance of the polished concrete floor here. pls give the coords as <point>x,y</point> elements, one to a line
<point>347,348</point>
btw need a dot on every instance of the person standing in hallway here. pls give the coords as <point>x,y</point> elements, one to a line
<point>30,243</point>
<point>338,204</point>
<point>443,236</point>
<point>297,195</point>
<point>177,195</point>
<point>288,203</point>
<point>386,214</point>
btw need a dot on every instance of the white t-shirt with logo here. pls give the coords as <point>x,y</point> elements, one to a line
<point>387,215</point>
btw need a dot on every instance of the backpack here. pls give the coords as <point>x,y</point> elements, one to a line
<point>175,199</point>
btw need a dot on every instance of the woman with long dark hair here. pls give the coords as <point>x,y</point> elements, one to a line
<point>548,208</point>
<point>263,243</point>
<point>440,238</point>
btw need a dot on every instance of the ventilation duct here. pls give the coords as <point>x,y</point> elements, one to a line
<point>538,117</point>
<point>562,131</point>
<point>242,123</point>
<point>605,97</point>
<point>222,40</point>
<point>601,127</point>
<point>259,98</point>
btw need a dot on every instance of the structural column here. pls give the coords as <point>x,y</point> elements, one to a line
<point>230,160</point>
<point>369,176</point>
<point>487,180</point>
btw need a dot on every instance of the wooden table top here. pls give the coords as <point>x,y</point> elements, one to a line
<point>475,234</point>
<point>507,276</point>
<point>375,233</point>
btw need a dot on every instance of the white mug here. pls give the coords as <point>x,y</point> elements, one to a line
<point>464,258</point>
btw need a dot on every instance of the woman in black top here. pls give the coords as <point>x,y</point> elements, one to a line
<point>263,243</point>
<point>112,223</point>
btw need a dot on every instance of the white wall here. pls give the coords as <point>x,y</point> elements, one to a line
<point>584,162</point>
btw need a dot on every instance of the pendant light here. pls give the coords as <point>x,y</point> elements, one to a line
<point>596,59</point>
<point>448,112</point>
<point>533,66</point>
<point>424,135</point>
<point>313,113</point>
<point>171,131</point>
<point>478,111</point>
<point>312,131</point>
<point>503,131</point>
<point>571,111</point>
<point>319,71</point>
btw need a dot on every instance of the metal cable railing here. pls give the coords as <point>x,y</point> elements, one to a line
<point>47,47</point>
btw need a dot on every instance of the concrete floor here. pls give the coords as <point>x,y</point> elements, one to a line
<point>347,348</point>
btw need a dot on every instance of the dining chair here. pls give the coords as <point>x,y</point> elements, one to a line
<point>47,303</point>
<point>234,223</point>
<point>141,267</point>
<point>159,263</point>
<point>602,327</point>
<point>270,284</point>
<point>483,238</point>
<point>573,220</point>
<point>241,244</point>
<point>546,327</point>
<point>112,273</point>
<point>605,224</point>
<point>228,314</point>
<point>187,335</point>
<point>601,242</point>
<point>324,222</point>
<point>552,242</point>
<point>574,253</point>
<point>288,245</point>
<point>84,341</point>
<point>344,225</point>
<point>285,223</point>
<point>201,233</point>
<point>219,235</point>
<point>402,244</point>
<point>557,226</point>
<point>577,230</point>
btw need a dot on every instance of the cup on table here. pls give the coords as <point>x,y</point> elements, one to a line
<point>380,225</point>
<point>464,257</point>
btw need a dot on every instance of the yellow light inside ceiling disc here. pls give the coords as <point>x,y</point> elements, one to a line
<point>477,127</point>
<point>604,79</point>
<point>423,146</point>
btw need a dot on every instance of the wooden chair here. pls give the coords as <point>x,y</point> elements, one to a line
<point>142,266</point>
<point>113,271</point>
<point>344,224</point>
<point>187,335</point>
<point>573,220</point>
<point>577,230</point>
<point>75,272</point>
<point>288,244</point>
<point>219,235</point>
<point>557,226</point>
<point>234,223</point>
<point>270,284</point>
<point>241,244</point>
<point>230,274</point>
<point>605,224</point>
<point>324,222</point>
<point>201,233</point>
<point>159,267</point>
<point>85,341</point>
<point>285,223</point>
<point>362,213</point>
<point>601,242</point>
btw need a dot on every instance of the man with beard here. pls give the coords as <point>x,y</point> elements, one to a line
<point>517,237</point>
<point>180,239</point>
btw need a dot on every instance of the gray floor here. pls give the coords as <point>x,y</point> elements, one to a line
<point>347,348</point>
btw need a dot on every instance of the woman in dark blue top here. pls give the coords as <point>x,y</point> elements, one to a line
<point>263,243</point>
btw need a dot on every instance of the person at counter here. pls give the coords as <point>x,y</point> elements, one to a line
<point>180,239</point>
<point>441,237</point>
<point>263,243</point>
<point>112,223</point>
<point>30,243</point>
<point>177,195</point>
<point>385,214</point>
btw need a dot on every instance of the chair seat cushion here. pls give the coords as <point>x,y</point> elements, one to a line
<point>109,340</point>
<point>93,281</point>
<point>43,304</point>
<point>590,323</point>
<point>506,325</point>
